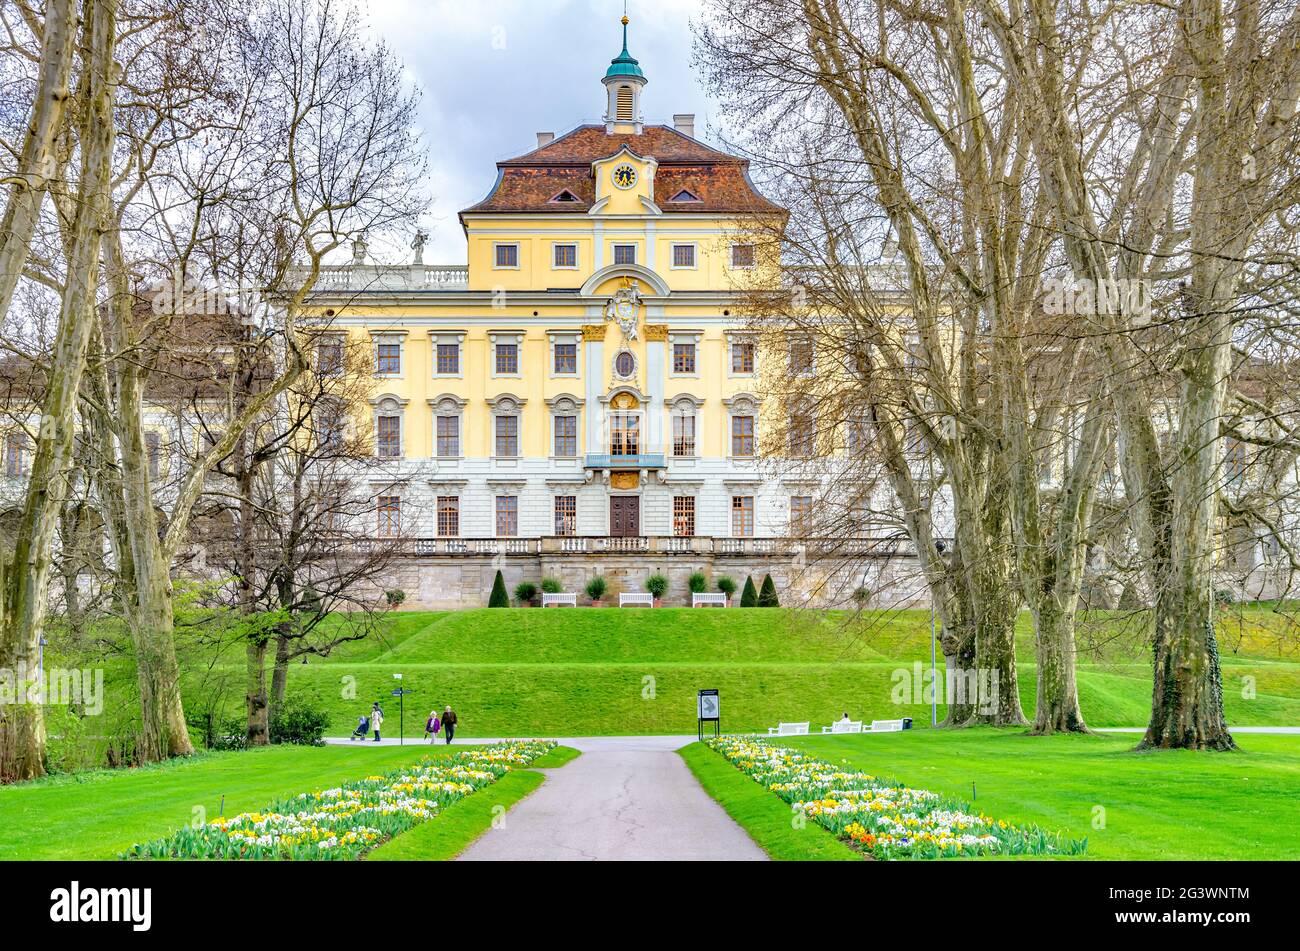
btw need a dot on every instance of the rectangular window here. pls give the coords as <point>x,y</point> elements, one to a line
<point>448,436</point>
<point>742,255</point>
<point>683,515</point>
<point>388,437</point>
<point>329,358</point>
<point>507,358</point>
<point>742,356</point>
<point>683,435</point>
<point>566,436</point>
<point>507,255</point>
<point>388,358</point>
<point>801,356</point>
<point>683,358</point>
<point>448,522</point>
<point>15,455</point>
<point>742,516</point>
<point>507,433</point>
<point>566,255</point>
<point>1234,460</point>
<point>800,514</point>
<point>566,358</point>
<point>390,516</point>
<point>449,359</point>
<point>803,434</point>
<point>625,254</point>
<point>684,255</point>
<point>153,447</point>
<point>742,435</point>
<point>507,515</point>
<point>625,435</point>
<point>566,515</point>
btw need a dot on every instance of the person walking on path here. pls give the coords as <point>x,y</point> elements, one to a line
<point>432,726</point>
<point>449,723</point>
<point>376,720</point>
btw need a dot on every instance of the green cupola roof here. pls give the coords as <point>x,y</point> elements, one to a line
<point>624,64</point>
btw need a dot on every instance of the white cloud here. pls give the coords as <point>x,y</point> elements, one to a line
<point>495,72</point>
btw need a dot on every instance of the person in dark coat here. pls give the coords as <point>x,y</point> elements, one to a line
<point>449,723</point>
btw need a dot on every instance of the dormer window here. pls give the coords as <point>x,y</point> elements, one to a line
<point>685,195</point>
<point>567,197</point>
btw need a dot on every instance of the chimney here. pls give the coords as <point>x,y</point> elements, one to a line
<point>545,138</point>
<point>685,124</point>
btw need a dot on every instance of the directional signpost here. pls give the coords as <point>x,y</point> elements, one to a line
<point>400,693</point>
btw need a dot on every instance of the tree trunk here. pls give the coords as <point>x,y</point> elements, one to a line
<point>280,674</point>
<point>259,728</point>
<point>1057,707</point>
<point>24,598</point>
<point>38,162</point>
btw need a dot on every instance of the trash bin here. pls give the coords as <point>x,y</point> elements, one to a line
<point>907,723</point>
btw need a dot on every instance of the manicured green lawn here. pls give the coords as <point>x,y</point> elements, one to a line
<point>532,672</point>
<point>1158,805</point>
<point>99,814</point>
<point>767,818</point>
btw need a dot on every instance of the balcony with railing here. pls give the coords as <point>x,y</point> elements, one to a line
<point>387,277</point>
<point>638,544</point>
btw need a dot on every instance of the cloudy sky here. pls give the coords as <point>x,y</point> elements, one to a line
<point>494,73</point>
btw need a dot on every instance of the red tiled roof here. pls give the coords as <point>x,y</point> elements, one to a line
<point>530,182</point>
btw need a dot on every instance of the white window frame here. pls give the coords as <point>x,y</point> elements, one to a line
<point>565,405</point>
<point>447,405</point>
<point>675,338</point>
<point>613,253</point>
<point>733,339</point>
<point>388,404</point>
<point>565,337</point>
<point>577,261</point>
<point>443,339</point>
<point>502,406</point>
<point>695,256</point>
<point>731,256</point>
<point>506,337</point>
<point>496,256</point>
<point>388,338</point>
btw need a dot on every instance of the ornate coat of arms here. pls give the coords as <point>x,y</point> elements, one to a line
<point>624,307</point>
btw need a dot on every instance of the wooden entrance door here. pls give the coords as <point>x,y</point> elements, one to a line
<point>624,515</point>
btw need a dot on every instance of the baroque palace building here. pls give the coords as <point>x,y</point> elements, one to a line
<point>579,397</point>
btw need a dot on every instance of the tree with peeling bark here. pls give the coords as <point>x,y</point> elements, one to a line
<point>279,151</point>
<point>945,350</point>
<point>1199,206</point>
<point>25,595</point>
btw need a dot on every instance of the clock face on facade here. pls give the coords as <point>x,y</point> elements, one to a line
<point>625,176</point>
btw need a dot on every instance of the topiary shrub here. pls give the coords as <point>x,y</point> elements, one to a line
<point>499,598</point>
<point>552,585</point>
<point>749,596</point>
<point>861,596</point>
<point>394,597</point>
<point>727,586</point>
<point>767,594</point>
<point>525,592</point>
<point>656,584</point>
<point>697,582</point>
<point>597,587</point>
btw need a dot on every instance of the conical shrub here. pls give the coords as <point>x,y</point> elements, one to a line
<point>749,596</point>
<point>500,598</point>
<point>767,594</point>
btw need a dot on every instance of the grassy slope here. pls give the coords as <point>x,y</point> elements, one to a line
<point>766,818</point>
<point>563,672</point>
<point>1161,805</point>
<point>464,821</point>
<point>96,815</point>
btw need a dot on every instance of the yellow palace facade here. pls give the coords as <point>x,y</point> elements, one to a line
<point>580,397</point>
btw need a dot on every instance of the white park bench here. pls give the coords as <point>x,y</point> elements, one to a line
<point>555,599</point>
<point>886,726</point>
<point>788,729</point>
<point>644,598</point>
<point>716,598</point>
<point>844,726</point>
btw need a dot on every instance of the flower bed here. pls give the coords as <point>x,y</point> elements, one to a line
<point>343,822</point>
<point>885,819</point>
